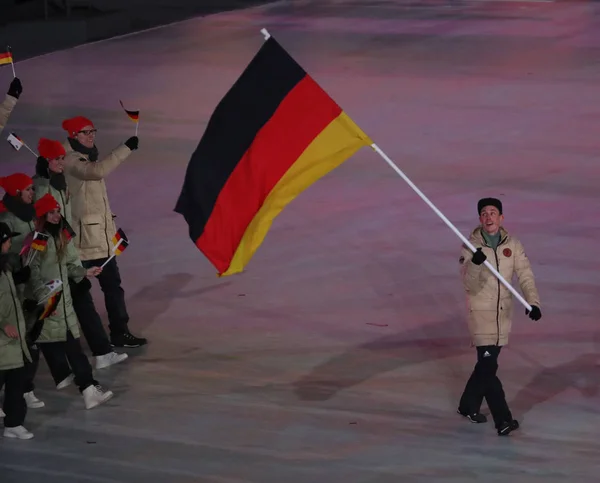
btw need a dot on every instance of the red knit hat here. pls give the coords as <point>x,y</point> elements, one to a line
<point>15,182</point>
<point>50,149</point>
<point>76,124</point>
<point>45,204</point>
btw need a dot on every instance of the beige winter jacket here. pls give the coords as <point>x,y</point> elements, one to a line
<point>91,214</point>
<point>489,302</point>
<point>6,107</point>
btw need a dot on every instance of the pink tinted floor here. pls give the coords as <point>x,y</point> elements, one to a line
<point>341,353</point>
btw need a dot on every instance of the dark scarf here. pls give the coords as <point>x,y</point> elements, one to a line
<point>61,227</point>
<point>57,180</point>
<point>21,210</point>
<point>91,153</point>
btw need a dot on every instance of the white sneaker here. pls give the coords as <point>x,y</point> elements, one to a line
<point>32,401</point>
<point>95,395</point>
<point>18,432</point>
<point>65,382</point>
<point>2,415</point>
<point>109,359</point>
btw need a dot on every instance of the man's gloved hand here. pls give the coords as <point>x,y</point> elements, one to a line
<point>22,276</point>
<point>478,257</point>
<point>132,143</point>
<point>15,88</point>
<point>535,313</point>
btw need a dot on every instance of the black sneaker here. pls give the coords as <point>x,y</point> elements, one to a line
<point>127,340</point>
<point>473,417</point>
<point>506,428</point>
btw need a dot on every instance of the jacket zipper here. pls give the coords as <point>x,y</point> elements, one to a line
<point>15,297</point>
<point>498,302</point>
<point>62,297</point>
<point>105,230</point>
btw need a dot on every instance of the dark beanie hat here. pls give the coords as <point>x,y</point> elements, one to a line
<point>489,202</point>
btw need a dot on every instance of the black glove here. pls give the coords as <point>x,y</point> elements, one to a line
<point>85,284</point>
<point>22,275</point>
<point>132,143</point>
<point>478,257</point>
<point>15,88</point>
<point>535,314</point>
<point>80,288</point>
<point>30,305</point>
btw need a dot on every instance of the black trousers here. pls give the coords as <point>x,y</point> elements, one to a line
<point>114,295</point>
<point>484,383</point>
<point>71,348</point>
<point>31,368</point>
<point>89,321</point>
<point>14,406</point>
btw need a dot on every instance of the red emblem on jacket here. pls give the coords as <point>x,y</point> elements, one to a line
<point>506,252</point>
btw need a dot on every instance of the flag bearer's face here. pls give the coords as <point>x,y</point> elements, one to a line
<point>53,216</point>
<point>27,195</point>
<point>491,219</point>
<point>6,246</point>
<point>87,136</point>
<point>56,165</point>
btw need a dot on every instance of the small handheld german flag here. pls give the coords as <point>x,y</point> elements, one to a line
<point>133,115</point>
<point>51,305</point>
<point>120,242</point>
<point>6,57</point>
<point>68,232</point>
<point>37,243</point>
<point>40,241</point>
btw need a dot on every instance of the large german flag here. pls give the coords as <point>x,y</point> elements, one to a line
<point>273,134</point>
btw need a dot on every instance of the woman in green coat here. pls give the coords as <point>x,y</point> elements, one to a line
<point>16,210</point>
<point>13,346</point>
<point>60,333</point>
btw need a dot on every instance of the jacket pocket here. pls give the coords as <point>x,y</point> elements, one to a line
<point>92,232</point>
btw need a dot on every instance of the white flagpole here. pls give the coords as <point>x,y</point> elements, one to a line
<point>378,150</point>
<point>385,157</point>
<point>113,255</point>
<point>30,150</point>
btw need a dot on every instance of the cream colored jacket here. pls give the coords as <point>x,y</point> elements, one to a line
<point>490,304</point>
<point>90,210</point>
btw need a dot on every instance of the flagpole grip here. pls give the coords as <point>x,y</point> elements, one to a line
<point>106,262</point>
<point>265,33</point>
<point>378,150</point>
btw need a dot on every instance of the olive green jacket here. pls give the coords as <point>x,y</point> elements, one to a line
<point>47,266</point>
<point>12,351</point>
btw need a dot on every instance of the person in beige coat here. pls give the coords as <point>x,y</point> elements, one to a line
<point>6,107</point>
<point>490,310</point>
<point>93,220</point>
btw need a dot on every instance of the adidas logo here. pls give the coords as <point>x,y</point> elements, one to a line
<point>486,354</point>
